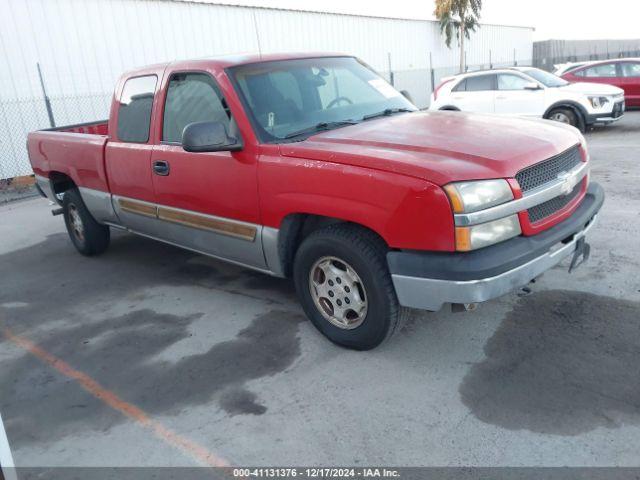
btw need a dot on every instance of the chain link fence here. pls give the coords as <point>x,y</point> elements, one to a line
<point>18,117</point>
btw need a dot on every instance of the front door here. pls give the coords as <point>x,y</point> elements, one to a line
<point>206,201</point>
<point>512,98</point>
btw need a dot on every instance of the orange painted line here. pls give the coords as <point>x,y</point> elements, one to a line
<point>191,448</point>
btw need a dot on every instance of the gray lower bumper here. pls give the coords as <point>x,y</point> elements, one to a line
<point>432,294</point>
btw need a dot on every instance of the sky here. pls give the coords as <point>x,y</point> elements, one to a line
<point>558,19</point>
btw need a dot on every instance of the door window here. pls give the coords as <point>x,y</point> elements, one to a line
<point>511,82</point>
<point>606,70</point>
<point>480,83</point>
<point>461,87</point>
<point>134,112</point>
<point>630,69</point>
<point>192,97</point>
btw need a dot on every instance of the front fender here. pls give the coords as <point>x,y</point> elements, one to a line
<point>407,212</point>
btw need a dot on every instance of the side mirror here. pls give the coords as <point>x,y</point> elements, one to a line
<point>208,137</point>
<point>531,86</point>
<point>406,95</point>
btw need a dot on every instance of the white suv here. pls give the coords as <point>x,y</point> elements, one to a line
<point>531,92</point>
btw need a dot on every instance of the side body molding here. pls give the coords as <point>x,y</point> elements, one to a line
<point>246,244</point>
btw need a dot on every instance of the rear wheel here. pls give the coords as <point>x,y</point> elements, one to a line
<point>88,236</point>
<point>344,286</point>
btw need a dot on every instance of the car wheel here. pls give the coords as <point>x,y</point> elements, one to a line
<point>345,288</point>
<point>565,115</point>
<point>88,236</point>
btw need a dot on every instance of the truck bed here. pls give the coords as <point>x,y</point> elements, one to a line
<point>74,150</point>
<point>99,127</point>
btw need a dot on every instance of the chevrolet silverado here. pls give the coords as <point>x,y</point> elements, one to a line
<point>313,167</point>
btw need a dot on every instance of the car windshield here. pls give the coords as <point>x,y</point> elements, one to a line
<point>546,78</point>
<point>292,99</point>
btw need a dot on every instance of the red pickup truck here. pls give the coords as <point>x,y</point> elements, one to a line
<point>314,167</point>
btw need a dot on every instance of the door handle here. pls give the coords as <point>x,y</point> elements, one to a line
<point>501,97</point>
<point>161,167</point>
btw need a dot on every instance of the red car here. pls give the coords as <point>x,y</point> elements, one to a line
<point>623,73</point>
<point>313,167</point>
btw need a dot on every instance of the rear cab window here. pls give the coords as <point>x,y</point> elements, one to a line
<point>134,112</point>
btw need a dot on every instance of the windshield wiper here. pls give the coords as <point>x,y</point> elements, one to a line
<point>386,112</point>
<point>320,127</point>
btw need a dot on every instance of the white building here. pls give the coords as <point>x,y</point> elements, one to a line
<point>82,46</point>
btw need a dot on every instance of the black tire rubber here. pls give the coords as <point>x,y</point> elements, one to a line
<point>574,119</point>
<point>96,236</point>
<point>366,253</point>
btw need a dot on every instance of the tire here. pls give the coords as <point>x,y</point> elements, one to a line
<point>568,116</point>
<point>344,250</point>
<point>88,236</point>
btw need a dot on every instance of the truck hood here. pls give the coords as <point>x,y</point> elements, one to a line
<point>592,88</point>
<point>440,147</point>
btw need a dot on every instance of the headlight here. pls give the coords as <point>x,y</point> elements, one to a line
<point>485,234</point>
<point>467,197</point>
<point>597,102</point>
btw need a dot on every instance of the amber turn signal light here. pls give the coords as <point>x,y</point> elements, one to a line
<point>463,239</point>
<point>454,198</point>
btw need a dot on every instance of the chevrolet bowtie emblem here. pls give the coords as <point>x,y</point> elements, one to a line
<point>568,182</point>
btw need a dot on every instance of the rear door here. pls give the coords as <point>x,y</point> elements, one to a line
<point>512,98</point>
<point>475,94</point>
<point>128,151</point>
<point>206,201</point>
<point>630,72</point>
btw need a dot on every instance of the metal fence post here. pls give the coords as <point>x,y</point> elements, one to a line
<point>431,73</point>
<point>391,79</point>
<point>490,61</point>
<point>47,102</point>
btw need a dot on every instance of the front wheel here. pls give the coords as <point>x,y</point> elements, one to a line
<point>567,116</point>
<point>344,286</point>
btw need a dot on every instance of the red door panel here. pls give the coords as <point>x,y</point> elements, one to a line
<point>223,184</point>
<point>128,152</point>
<point>129,170</point>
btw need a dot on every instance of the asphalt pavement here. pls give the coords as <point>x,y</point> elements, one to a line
<point>153,356</point>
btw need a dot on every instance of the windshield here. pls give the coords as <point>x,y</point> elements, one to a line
<point>306,95</point>
<point>546,78</point>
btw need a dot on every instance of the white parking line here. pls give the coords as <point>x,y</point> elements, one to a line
<point>6,459</point>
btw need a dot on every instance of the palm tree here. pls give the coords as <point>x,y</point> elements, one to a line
<point>459,18</point>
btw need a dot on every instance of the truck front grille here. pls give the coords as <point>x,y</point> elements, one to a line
<point>548,208</point>
<point>548,170</point>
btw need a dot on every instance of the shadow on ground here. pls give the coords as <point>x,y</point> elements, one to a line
<point>50,282</point>
<point>561,363</point>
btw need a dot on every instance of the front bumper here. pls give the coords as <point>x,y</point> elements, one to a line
<point>428,280</point>
<point>616,114</point>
